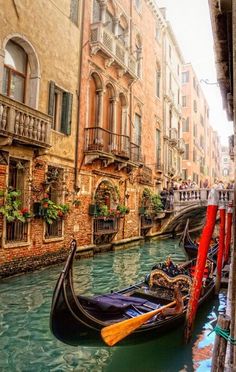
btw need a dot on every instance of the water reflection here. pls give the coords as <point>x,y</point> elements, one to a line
<point>26,343</point>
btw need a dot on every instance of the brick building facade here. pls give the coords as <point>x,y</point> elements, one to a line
<point>82,126</point>
<point>201,161</point>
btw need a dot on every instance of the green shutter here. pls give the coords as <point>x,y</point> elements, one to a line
<point>66,113</point>
<point>51,98</point>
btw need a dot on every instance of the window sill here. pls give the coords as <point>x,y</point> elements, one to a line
<point>16,244</point>
<point>59,133</point>
<point>55,239</point>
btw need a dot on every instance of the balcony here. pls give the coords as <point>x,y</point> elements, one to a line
<point>105,228</point>
<point>113,50</point>
<point>24,124</point>
<point>102,143</point>
<point>145,176</point>
<point>173,136</point>
<point>181,145</point>
<point>231,147</point>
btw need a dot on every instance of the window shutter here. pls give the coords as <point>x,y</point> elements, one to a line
<point>51,98</point>
<point>66,113</point>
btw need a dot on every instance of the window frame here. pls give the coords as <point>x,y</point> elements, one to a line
<point>12,71</point>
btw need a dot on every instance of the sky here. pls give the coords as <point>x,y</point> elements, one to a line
<point>190,21</point>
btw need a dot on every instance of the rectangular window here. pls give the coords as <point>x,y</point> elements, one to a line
<point>194,155</point>
<point>195,130</point>
<point>137,132</point>
<point>74,11</point>
<point>170,81</point>
<point>185,174</point>
<point>158,84</point>
<point>186,125</point>
<point>17,231</point>
<point>184,101</point>
<point>195,105</point>
<point>60,107</point>
<point>158,147</point>
<point>201,120</point>
<point>186,154</point>
<point>170,53</point>
<point>201,142</point>
<point>96,11</point>
<point>185,77</point>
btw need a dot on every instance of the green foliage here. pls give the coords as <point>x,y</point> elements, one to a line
<point>156,203</point>
<point>52,211</point>
<point>123,209</point>
<point>11,209</point>
<point>103,210</point>
<point>151,201</point>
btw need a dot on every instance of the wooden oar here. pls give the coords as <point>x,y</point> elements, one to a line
<point>117,331</point>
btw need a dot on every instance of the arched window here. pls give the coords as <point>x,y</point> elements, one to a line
<point>95,91</point>
<point>21,73</point>
<point>121,115</point>
<point>93,103</point>
<point>15,71</point>
<point>137,127</point>
<point>158,80</point>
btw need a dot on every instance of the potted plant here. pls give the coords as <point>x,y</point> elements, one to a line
<point>52,211</point>
<point>122,209</point>
<point>103,210</point>
<point>11,209</point>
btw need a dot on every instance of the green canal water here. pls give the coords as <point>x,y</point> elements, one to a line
<point>26,343</point>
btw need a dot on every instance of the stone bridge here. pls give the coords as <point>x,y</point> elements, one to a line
<point>191,204</point>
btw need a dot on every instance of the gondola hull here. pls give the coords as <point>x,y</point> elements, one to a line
<point>75,321</point>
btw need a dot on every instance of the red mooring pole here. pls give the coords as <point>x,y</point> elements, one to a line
<point>228,231</point>
<point>221,249</point>
<point>201,262</point>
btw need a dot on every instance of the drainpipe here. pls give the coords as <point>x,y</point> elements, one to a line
<point>76,188</point>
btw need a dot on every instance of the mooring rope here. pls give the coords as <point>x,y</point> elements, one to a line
<point>225,334</point>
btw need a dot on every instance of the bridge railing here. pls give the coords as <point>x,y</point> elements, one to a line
<point>199,196</point>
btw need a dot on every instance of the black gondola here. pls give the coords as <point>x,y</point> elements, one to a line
<point>191,247</point>
<point>77,320</point>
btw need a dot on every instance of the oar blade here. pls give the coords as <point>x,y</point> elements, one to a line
<point>118,331</point>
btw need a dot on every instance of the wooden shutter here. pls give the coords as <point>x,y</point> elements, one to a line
<point>66,113</point>
<point>51,98</point>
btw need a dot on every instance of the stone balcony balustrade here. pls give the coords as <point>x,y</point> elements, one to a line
<point>113,50</point>
<point>184,198</point>
<point>24,124</point>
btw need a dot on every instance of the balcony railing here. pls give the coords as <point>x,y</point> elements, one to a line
<point>112,48</point>
<point>105,225</point>
<point>24,124</point>
<point>102,140</point>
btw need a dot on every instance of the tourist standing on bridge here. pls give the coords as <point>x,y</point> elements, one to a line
<point>163,195</point>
